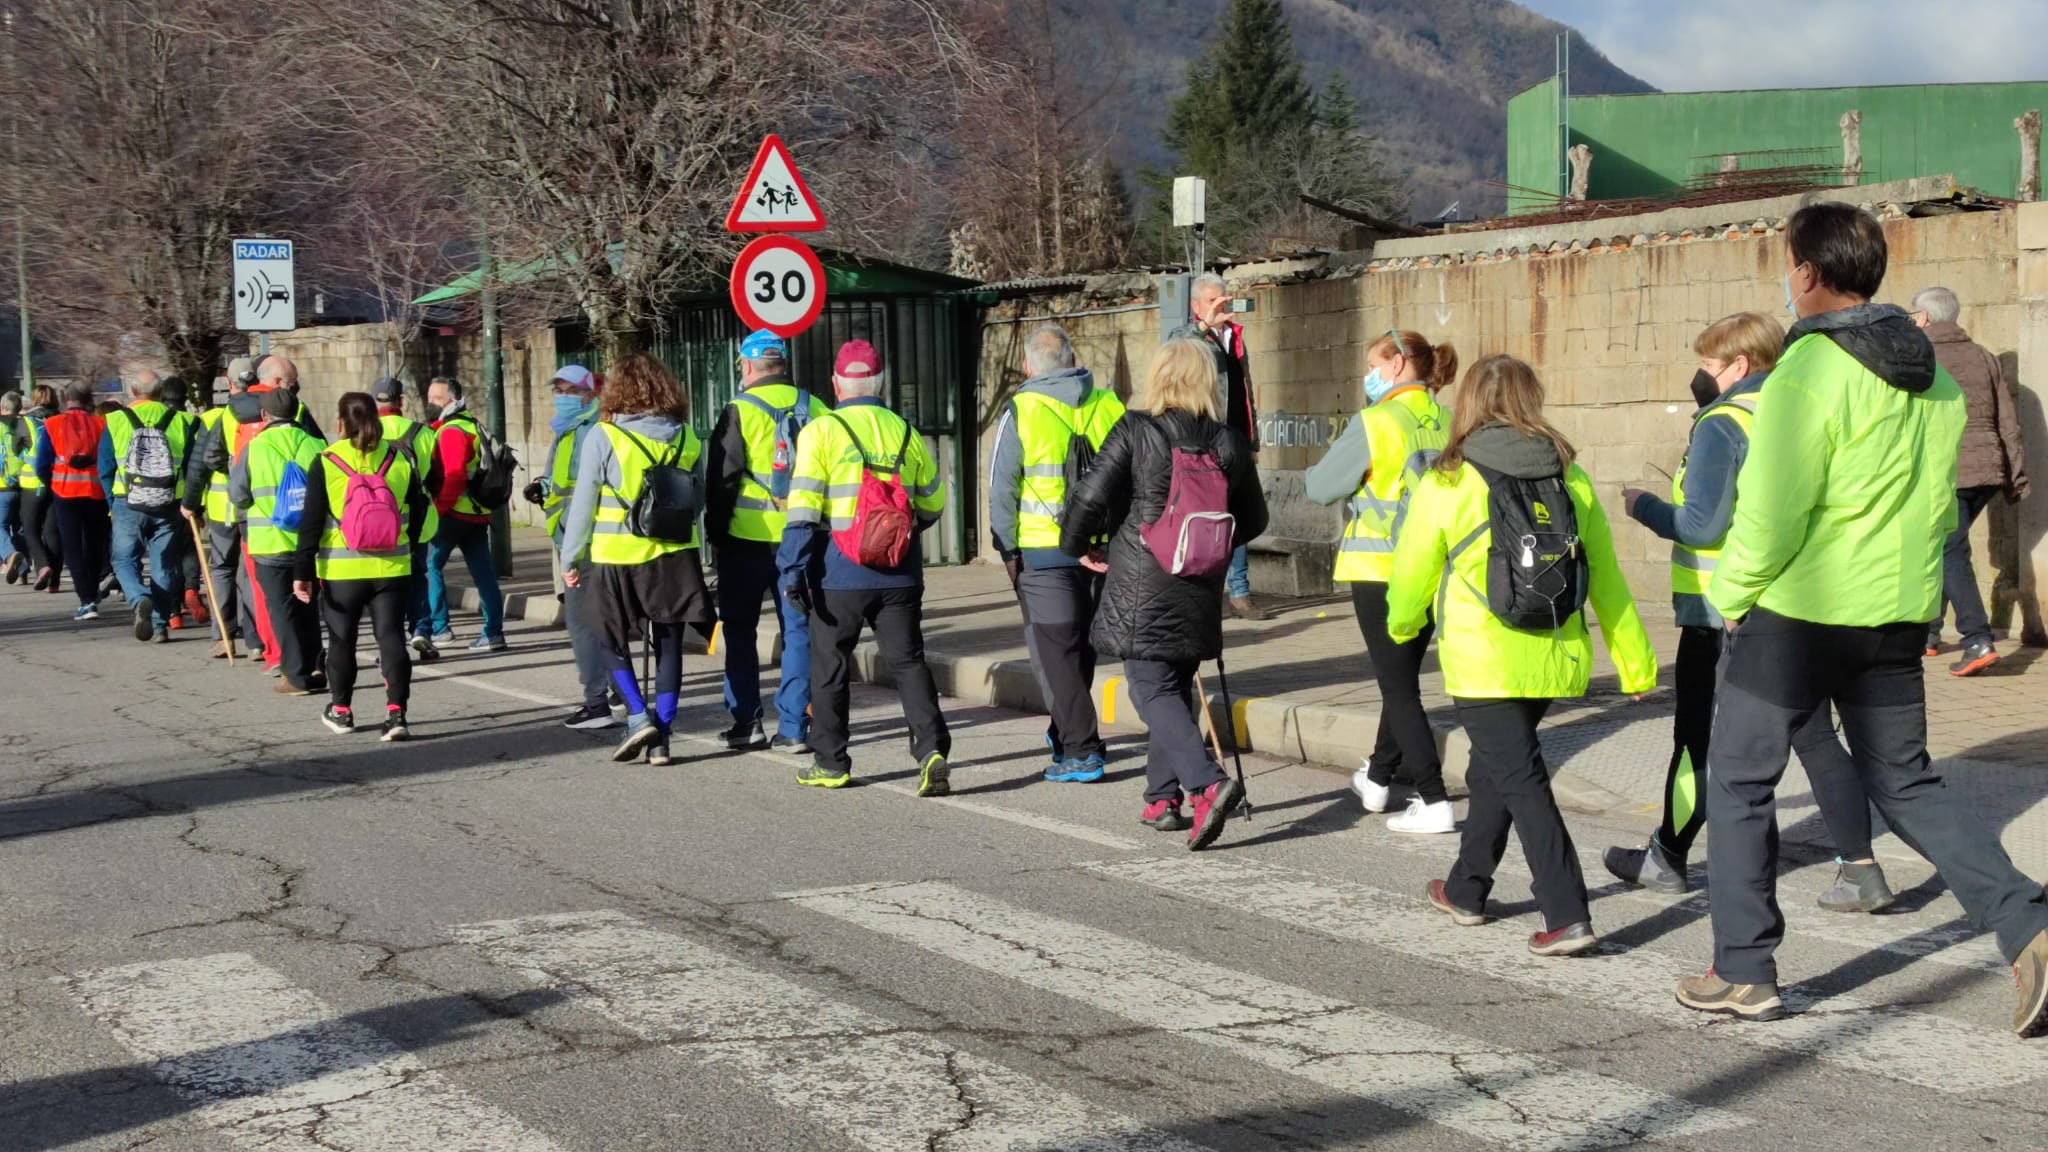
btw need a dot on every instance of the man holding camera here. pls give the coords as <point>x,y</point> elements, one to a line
<point>1210,301</point>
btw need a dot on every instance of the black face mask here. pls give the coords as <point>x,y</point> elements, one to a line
<point>1705,389</point>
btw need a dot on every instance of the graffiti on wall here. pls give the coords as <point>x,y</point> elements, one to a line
<point>1288,430</point>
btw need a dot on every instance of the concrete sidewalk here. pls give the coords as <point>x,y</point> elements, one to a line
<point>1303,690</point>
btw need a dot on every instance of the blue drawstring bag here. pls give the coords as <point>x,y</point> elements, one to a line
<point>291,497</point>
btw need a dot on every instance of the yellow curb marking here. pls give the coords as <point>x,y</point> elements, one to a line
<point>1109,699</point>
<point>1238,731</point>
<point>711,647</point>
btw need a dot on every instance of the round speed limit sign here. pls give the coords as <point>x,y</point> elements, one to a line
<point>778,284</point>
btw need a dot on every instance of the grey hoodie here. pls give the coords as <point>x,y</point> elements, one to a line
<point>1069,386</point>
<point>598,468</point>
<point>1504,449</point>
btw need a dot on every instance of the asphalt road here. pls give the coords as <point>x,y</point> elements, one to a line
<point>222,927</point>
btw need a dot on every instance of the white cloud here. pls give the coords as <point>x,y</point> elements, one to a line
<point>1703,45</point>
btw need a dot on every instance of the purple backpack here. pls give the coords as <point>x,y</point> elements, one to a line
<point>1192,537</point>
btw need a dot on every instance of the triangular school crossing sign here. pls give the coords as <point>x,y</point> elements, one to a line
<point>774,198</point>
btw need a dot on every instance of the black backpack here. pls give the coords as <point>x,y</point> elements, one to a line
<point>671,497</point>
<point>1536,574</point>
<point>492,480</point>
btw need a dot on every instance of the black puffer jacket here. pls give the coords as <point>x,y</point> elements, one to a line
<point>1146,613</point>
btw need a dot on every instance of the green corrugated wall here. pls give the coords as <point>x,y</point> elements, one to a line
<point>1647,145</point>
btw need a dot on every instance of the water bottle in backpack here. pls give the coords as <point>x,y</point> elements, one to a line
<point>788,422</point>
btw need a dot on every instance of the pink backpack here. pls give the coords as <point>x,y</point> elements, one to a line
<point>1192,537</point>
<point>369,511</point>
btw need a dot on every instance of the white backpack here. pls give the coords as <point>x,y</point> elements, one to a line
<point>148,468</point>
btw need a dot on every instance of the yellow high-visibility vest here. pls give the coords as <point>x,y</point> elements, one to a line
<point>333,559</point>
<point>611,542</point>
<point>1045,436</point>
<point>1692,569</point>
<point>1405,432</point>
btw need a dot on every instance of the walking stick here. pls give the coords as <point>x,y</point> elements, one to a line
<point>1216,741</point>
<point>212,596</point>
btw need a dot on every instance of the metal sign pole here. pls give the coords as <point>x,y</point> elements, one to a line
<point>494,399</point>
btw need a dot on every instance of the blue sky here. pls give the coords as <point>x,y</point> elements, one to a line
<point>1697,45</point>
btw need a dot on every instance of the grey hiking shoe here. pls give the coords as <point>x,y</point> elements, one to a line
<point>1710,993</point>
<point>1648,867</point>
<point>2030,972</point>
<point>1858,888</point>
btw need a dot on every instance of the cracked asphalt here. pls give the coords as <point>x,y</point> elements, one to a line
<point>443,906</point>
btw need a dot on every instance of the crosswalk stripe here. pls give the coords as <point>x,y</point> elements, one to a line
<point>1953,943</point>
<point>1520,1101</point>
<point>1918,1048</point>
<point>271,1066</point>
<point>886,1087</point>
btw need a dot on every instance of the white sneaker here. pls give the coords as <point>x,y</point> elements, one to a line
<point>1425,818</point>
<point>1374,796</point>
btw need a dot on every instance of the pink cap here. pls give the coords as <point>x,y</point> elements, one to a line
<point>857,360</point>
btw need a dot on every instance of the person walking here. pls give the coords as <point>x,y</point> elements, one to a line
<point>279,458</point>
<point>576,412</point>
<point>1375,464</point>
<point>1830,573</point>
<point>749,466</point>
<point>16,444</point>
<point>1735,355</point>
<point>67,464</point>
<point>366,502</point>
<point>1209,301</point>
<point>862,445</point>
<point>1991,463</point>
<point>221,437</point>
<point>142,460</point>
<point>1487,539</point>
<point>1039,450</point>
<point>422,447</point>
<point>645,584</point>
<point>1160,624</point>
<point>465,525</point>
<point>191,580</point>
<point>38,522</point>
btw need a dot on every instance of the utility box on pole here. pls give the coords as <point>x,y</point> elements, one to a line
<point>1174,310</point>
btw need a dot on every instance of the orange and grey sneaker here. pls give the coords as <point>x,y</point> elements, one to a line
<point>1977,656</point>
<point>1440,900</point>
<point>1575,939</point>
<point>1710,993</point>
<point>2030,972</point>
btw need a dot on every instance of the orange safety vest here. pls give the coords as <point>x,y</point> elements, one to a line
<point>76,433</point>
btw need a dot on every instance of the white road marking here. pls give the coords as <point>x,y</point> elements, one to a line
<point>1022,819</point>
<point>274,1068</point>
<point>886,1087</point>
<point>1516,1100</point>
<point>1918,1048</point>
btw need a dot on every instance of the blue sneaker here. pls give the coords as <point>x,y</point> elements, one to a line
<point>488,643</point>
<point>1057,756</point>
<point>86,612</point>
<point>445,636</point>
<point>1076,771</point>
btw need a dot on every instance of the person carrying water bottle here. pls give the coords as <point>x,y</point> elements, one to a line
<point>366,503</point>
<point>634,512</point>
<point>1505,535</point>
<point>1176,490</point>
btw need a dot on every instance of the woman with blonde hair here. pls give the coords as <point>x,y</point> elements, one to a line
<point>1170,466</point>
<point>1512,632</point>
<point>1375,464</point>
<point>1736,354</point>
<point>644,581</point>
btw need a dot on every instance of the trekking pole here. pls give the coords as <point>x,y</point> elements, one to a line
<point>1216,739</point>
<point>212,596</point>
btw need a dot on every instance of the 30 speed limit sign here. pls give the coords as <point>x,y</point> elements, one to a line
<point>778,284</point>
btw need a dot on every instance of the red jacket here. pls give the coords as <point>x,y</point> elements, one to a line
<point>455,444</point>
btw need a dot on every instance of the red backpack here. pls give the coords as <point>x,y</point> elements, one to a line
<point>883,526</point>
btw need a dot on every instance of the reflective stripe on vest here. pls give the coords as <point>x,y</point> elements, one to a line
<point>222,423</point>
<point>424,445</point>
<point>333,559</point>
<point>1404,432</point>
<point>176,432</point>
<point>75,433</point>
<point>611,542</point>
<point>755,515</point>
<point>30,482</point>
<point>266,456</point>
<point>1045,434</point>
<point>1692,569</point>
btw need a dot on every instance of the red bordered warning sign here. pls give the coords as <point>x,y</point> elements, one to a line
<point>774,197</point>
<point>778,284</point>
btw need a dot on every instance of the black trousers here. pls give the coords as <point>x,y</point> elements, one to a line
<point>83,526</point>
<point>1406,745</point>
<point>1837,789</point>
<point>39,530</point>
<point>1510,787</point>
<point>296,626</point>
<point>1776,674</point>
<point>342,605</point>
<point>1059,606</point>
<point>897,616</point>
<point>1177,759</point>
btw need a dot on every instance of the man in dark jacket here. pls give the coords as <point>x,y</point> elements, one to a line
<point>1209,300</point>
<point>1991,463</point>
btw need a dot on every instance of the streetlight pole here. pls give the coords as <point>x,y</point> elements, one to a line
<point>28,370</point>
<point>494,397</point>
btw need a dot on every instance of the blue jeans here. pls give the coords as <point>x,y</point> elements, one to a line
<point>1239,578</point>
<point>475,542</point>
<point>135,532</point>
<point>11,540</point>
<point>746,572</point>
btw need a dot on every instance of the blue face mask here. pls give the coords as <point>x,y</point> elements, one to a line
<point>1376,388</point>
<point>1789,307</point>
<point>569,405</point>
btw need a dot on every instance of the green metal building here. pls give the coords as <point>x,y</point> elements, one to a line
<point>1651,145</point>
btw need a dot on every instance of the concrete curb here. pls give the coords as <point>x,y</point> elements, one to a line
<point>1316,733</point>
